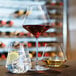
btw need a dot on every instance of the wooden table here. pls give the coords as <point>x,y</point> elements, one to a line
<point>69,69</point>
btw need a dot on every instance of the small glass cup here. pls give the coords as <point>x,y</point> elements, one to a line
<point>18,61</point>
<point>55,55</point>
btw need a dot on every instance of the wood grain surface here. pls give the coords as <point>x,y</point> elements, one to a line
<point>69,69</point>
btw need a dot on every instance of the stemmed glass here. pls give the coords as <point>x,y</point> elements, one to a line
<point>36,22</point>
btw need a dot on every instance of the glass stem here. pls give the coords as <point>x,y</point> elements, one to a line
<point>36,51</point>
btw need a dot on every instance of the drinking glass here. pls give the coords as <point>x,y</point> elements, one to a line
<point>56,55</point>
<point>36,22</point>
<point>18,60</point>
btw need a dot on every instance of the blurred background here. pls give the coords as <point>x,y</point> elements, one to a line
<point>72,26</point>
<point>72,23</point>
<point>12,13</point>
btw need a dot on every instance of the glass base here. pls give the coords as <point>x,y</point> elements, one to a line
<point>39,68</point>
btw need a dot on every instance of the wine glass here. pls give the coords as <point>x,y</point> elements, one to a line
<point>36,22</point>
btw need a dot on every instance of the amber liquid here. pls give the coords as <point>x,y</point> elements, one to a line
<point>52,63</point>
<point>56,59</point>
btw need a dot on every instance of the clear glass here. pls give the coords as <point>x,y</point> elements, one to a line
<point>18,61</point>
<point>56,55</point>
<point>36,22</point>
